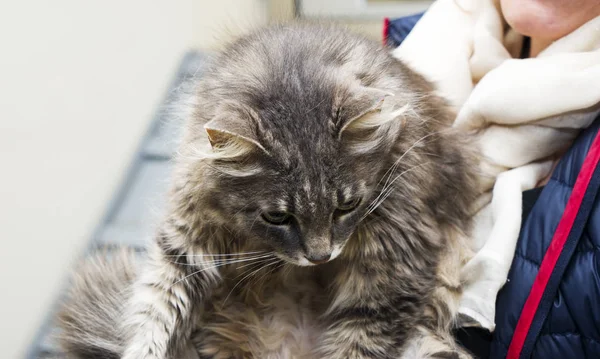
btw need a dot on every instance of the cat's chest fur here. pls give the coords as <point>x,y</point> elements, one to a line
<point>275,314</point>
<point>280,311</point>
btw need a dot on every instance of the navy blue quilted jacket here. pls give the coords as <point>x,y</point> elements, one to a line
<point>566,324</point>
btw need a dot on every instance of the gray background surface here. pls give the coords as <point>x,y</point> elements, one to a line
<point>137,206</point>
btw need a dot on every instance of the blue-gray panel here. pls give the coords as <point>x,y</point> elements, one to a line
<point>162,142</point>
<point>135,210</point>
<point>140,210</point>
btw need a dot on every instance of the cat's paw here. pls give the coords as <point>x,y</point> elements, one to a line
<point>446,354</point>
<point>451,355</point>
<point>141,353</point>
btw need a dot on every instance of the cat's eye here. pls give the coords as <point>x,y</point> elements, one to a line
<point>349,205</point>
<point>277,218</point>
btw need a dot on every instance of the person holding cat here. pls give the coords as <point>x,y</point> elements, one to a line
<point>524,78</point>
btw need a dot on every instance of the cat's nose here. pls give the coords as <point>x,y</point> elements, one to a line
<point>319,259</point>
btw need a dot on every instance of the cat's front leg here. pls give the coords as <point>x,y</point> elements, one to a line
<point>372,313</point>
<point>360,332</point>
<point>368,319</point>
<point>165,299</point>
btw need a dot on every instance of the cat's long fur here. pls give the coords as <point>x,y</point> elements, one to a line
<point>302,119</point>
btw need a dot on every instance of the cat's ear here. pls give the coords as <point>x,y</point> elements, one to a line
<point>231,134</point>
<point>366,108</point>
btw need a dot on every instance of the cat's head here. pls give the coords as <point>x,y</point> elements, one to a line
<point>297,178</point>
<point>297,124</point>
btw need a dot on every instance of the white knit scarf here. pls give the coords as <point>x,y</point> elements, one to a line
<point>523,112</point>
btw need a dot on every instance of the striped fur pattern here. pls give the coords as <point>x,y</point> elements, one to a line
<point>304,144</point>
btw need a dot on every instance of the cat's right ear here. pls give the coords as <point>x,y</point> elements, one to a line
<point>368,108</point>
<point>231,135</point>
<point>369,118</point>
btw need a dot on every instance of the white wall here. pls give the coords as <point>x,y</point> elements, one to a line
<point>79,81</point>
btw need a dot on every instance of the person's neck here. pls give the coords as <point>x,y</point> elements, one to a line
<point>538,45</point>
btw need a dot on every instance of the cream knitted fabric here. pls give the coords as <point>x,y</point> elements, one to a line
<point>521,111</point>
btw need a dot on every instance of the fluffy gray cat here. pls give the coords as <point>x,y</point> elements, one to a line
<point>319,209</point>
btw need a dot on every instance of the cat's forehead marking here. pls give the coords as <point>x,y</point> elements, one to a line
<point>305,201</point>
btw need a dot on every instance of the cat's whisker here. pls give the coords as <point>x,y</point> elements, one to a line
<point>253,266</point>
<point>216,260</point>
<point>267,273</point>
<point>388,175</point>
<point>389,191</point>
<point>383,190</point>
<point>275,269</point>
<point>248,275</point>
<point>214,255</point>
<point>246,265</point>
<point>240,210</point>
<point>253,222</point>
<point>215,266</point>
<point>243,259</point>
<point>257,280</point>
<point>223,260</point>
<point>390,172</point>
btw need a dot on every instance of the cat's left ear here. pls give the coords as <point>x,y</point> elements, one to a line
<point>232,132</point>
<point>366,108</point>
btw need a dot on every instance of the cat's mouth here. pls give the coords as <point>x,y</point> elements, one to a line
<point>303,260</point>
